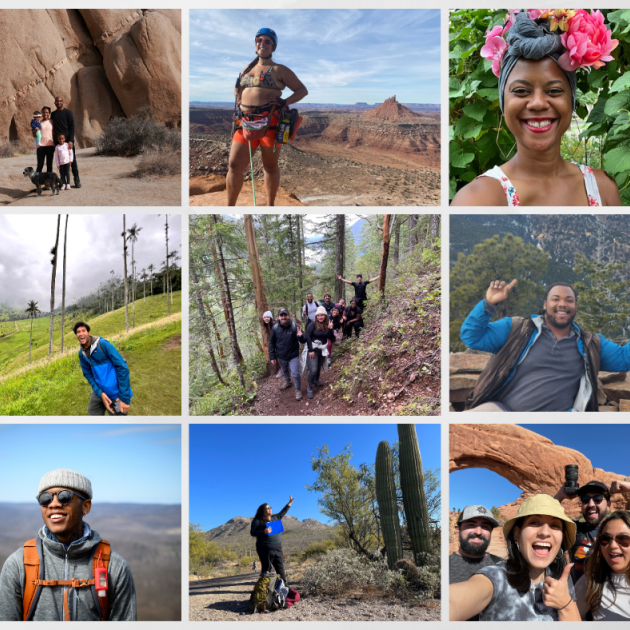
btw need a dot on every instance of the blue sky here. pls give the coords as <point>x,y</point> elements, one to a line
<point>125,463</point>
<point>341,56</point>
<point>235,468</point>
<point>605,445</point>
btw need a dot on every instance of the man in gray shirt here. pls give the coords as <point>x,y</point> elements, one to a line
<point>474,525</point>
<point>544,362</point>
<point>48,579</point>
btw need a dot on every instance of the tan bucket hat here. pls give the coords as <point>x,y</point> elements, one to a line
<point>547,506</point>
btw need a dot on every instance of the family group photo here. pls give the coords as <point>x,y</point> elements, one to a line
<point>315,314</point>
<point>541,531</point>
<point>90,107</point>
<point>343,105</point>
<point>538,106</point>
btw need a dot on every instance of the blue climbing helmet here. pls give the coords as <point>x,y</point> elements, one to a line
<point>269,33</point>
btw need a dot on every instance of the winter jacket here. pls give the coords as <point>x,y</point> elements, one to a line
<point>479,333</point>
<point>106,370</point>
<point>283,342</point>
<point>60,564</point>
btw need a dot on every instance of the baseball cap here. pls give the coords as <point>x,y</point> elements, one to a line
<point>477,511</point>
<point>592,486</point>
<point>283,310</point>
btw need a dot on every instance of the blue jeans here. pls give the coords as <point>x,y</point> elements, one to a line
<point>291,368</point>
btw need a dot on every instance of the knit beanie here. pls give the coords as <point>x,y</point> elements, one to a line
<point>267,314</point>
<point>321,311</point>
<point>65,478</point>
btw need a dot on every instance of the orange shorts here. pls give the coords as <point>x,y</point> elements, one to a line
<point>267,141</point>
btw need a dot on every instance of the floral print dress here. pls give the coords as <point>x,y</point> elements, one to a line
<point>512,197</point>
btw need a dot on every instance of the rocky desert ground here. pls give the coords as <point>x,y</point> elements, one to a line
<point>386,156</point>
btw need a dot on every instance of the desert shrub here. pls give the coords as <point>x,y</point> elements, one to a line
<point>338,571</point>
<point>246,561</point>
<point>428,580</point>
<point>159,162</point>
<point>8,149</point>
<point>318,548</point>
<point>127,137</point>
<point>407,568</point>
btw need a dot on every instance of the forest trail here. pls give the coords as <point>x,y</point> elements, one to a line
<point>393,365</point>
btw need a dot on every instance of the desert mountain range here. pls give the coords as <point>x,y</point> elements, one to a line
<point>104,62</point>
<point>297,535</point>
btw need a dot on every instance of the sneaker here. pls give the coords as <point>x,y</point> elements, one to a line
<point>319,384</point>
<point>285,385</point>
<point>279,374</point>
<point>298,394</point>
<point>309,393</point>
<point>67,186</point>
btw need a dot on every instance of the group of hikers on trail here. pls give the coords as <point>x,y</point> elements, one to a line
<point>555,568</point>
<point>326,323</point>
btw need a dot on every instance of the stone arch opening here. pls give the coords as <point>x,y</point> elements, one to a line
<point>13,132</point>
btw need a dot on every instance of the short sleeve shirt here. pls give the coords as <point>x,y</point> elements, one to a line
<point>359,290</point>
<point>507,604</point>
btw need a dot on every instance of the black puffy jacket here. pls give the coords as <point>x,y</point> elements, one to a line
<point>283,342</point>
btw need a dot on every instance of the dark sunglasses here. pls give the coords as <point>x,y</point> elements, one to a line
<point>597,499</point>
<point>263,40</point>
<point>64,497</point>
<point>623,540</point>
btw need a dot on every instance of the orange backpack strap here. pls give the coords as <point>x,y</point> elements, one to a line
<point>34,571</point>
<point>103,549</point>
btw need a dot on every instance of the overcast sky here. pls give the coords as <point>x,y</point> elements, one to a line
<point>341,56</point>
<point>94,248</point>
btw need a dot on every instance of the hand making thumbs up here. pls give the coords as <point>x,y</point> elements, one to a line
<point>556,592</point>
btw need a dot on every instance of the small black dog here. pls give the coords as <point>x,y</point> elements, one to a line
<point>39,179</point>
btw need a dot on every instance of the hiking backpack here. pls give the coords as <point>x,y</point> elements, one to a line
<point>34,574</point>
<point>268,595</point>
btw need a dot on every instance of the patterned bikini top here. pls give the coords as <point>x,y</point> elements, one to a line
<point>510,192</point>
<point>260,81</point>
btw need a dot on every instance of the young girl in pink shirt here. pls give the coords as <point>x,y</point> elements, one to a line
<point>63,159</point>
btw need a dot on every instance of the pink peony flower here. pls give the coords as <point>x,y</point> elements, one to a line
<point>587,40</point>
<point>534,14</point>
<point>494,48</point>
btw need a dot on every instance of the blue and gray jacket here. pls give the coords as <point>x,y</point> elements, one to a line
<point>106,370</point>
<point>479,333</point>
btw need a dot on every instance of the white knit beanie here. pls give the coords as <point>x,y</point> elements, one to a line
<point>65,478</point>
<point>268,314</point>
<point>321,311</point>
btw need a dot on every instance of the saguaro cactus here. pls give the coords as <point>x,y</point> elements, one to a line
<point>387,507</point>
<point>412,486</point>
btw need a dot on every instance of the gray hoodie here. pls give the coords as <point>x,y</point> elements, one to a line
<point>64,565</point>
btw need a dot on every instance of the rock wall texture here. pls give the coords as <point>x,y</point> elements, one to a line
<point>530,461</point>
<point>105,63</point>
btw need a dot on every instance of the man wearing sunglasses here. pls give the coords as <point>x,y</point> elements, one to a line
<point>65,550</point>
<point>595,499</point>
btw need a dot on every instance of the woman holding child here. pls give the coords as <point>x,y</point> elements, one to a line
<point>46,148</point>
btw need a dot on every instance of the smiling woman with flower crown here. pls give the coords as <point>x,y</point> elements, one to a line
<point>536,67</point>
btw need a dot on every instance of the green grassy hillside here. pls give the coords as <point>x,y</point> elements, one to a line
<point>153,354</point>
<point>152,351</point>
<point>14,345</point>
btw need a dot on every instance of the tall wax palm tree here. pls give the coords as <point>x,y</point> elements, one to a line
<point>133,233</point>
<point>124,236</point>
<point>32,311</point>
<point>168,304</point>
<point>151,269</point>
<point>63,290</point>
<point>174,255</point>
<point>53,262</point>
<point>144,277</point>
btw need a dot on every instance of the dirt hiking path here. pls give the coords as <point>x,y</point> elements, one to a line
<point>105,181</point>
<point>226,599</point>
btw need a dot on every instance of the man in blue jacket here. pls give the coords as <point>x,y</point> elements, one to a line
<point>544,362</point>
<point>106,371</point>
